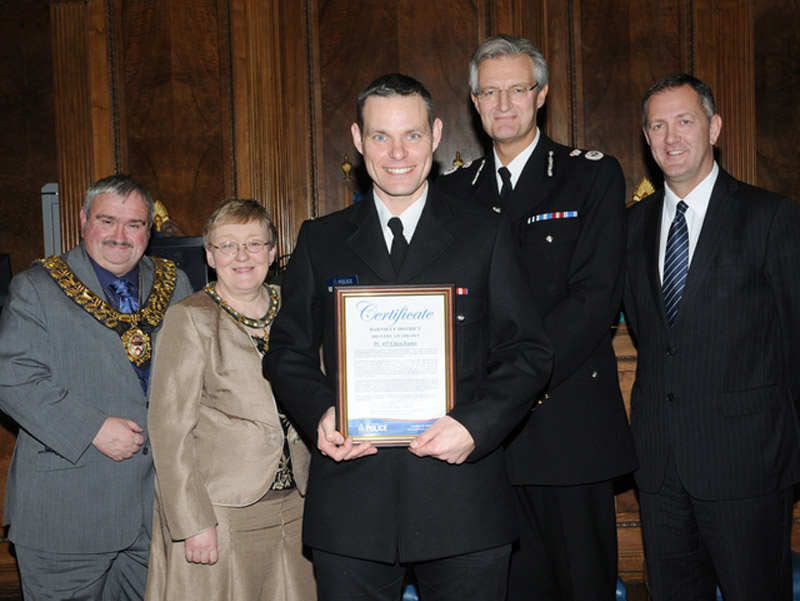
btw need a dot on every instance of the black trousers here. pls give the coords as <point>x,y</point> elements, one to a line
<point>690,545</point>
<point>469,577</point>
<point>567,549</point>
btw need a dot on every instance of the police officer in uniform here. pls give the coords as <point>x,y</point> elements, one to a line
<point>567,211</point>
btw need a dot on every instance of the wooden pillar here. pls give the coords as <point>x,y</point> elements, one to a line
<point>272,111</point>
<point>82,105</point>
<point>724,52</point>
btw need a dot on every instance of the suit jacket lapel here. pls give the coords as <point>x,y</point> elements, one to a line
<point>486,186</point>
<point>532,187</point>
<point>80,265</point>
<point>367,241</point>
<point>147,269</point>
<point>652,242</point>
<point>79,262</point>
<point>430,238</point>
<point>721,207</point>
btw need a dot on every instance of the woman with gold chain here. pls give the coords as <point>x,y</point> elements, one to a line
<point>230,467</point>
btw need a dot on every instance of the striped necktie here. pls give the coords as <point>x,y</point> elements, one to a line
<point>676,262</point>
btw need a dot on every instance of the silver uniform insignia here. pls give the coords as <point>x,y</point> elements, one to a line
<point>575,152</point>
<point>478,174</point>
<point>594,155</point>
<point>455,168</point>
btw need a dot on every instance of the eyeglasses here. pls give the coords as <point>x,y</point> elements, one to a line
<point>230,247</point>
<point>517,92</point>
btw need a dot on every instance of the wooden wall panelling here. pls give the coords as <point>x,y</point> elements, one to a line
<point>27,121</point>
<point>272,111</point>
<point>724,58</point>
<point>28,160</point>
<point>777,89</point>
<point>555,39</point>
<point>174,83</point>
<point>83,132</point>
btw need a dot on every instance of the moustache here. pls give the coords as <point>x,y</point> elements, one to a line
<point>117,243</point>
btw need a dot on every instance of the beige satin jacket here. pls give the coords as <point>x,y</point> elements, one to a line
<point>213,422</point>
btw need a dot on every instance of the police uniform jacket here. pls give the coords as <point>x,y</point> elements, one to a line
<point>567,216</point>
<point>394,505</point>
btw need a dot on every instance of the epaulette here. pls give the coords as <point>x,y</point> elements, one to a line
<point>592,155</point>
<point>455,168</point>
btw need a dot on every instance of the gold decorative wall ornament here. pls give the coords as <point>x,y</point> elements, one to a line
<point>643,189</point>
<point>347,166</point>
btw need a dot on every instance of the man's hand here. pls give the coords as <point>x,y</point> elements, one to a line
<point>446,440</point>
<point>330,441</point>
<point>119,438</point>
<point>202,548</point>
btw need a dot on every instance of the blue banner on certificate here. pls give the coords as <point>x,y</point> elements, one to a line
<point>396,360</point>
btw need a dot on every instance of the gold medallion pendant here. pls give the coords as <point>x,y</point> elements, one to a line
<point>137,345</point>
<point>133,328</point>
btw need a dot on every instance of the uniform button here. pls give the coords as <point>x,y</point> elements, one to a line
<point>670,397</point>
<point>594,373</point>
<point>461,317</point>
<point>549,238</point>
<point>671,350</point>
<point>145,451</point>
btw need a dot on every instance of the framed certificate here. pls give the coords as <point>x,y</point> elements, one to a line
<point>396,360</point>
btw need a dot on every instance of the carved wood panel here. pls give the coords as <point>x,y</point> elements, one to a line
<point>174,113</point>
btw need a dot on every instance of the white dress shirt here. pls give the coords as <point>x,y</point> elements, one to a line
<point>517,164</point>
<point>697,200</point>
<point>409,217</point>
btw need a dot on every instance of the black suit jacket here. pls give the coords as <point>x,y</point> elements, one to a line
<point>579,431</point>
<point>395,504</point>
<point>718,390</point>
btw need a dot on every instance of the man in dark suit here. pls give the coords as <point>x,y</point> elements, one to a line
<point>713,297</point>
<point>443,505</point>
<point>75,342</point>
<point>566,208</point>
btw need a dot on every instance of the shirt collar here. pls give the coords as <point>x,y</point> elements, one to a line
<point>105,277</point>
<point>697,199</point>
<point>517,164</point>
<point>409,217</point>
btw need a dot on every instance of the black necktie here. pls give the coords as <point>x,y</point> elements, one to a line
<point>399,243</point>
<point>505,192</point>
<point>676,262</point>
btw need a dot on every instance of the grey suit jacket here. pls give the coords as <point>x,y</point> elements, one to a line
<point>718,390</point>
<point>61,374</point>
